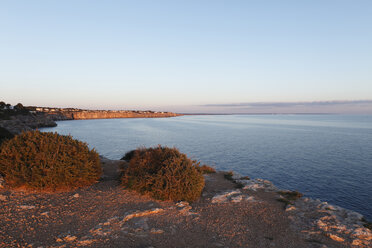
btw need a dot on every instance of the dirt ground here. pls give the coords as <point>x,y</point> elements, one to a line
<point>107,215</point>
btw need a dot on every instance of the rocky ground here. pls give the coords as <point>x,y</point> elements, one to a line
<point>106,215</point>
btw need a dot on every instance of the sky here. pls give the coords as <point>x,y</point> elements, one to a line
<point>201,56</point>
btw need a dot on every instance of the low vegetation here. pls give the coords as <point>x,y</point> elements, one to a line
<point>163,173</point>
<point>5,134</point>
<point>229,175</point>
<point>205,169</point>
<point>289,197</point>
<point>7,110</point>
<point>48,161</point>
<point>367,224</point>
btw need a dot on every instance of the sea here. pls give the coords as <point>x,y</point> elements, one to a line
<point>328,157</point>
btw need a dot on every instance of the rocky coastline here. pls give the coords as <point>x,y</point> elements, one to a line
<point>58,114</point>
<point>232,212</point>
<point>37,117</point>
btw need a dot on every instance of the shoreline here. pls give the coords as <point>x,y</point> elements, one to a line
<point>239,212</point>
<point>305,215</point>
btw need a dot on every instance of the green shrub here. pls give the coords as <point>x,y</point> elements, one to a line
<point>163,173</point>
<point>48,161</point>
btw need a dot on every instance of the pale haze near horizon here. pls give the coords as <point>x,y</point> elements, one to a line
<point>190,56</point>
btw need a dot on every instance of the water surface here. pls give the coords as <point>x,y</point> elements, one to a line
<point>324,156</point>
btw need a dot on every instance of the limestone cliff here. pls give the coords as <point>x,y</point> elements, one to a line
<point>91,114</point>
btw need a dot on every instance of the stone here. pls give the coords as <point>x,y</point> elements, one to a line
<point>156,231</point>
<point>2,182</point>
<point>233,196</point>
<point>86,242</point>
<point>141,214</point>
<point>336,238</point>
<point>362,233</point>
<point>236,176</point>
<point>27,207</point>
<point>225,196</point>
<point>290,208</point>
<point>256,184</point>
<point>238,198</point>
<point>69,238</point>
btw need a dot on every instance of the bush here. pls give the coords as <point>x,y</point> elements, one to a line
<point>205,169</point>
<point>163,173</point>
<point>291,195</point>
<point>48,161</point>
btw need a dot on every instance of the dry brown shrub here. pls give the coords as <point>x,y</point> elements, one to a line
<point>205,169</point>
<point>163,173</point>
<point>48,161</point>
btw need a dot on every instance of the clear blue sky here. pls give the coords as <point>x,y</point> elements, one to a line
<point>184,55</point>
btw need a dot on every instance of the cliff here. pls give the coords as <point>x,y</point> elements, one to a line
<point>59,114</point>
<point>87,114</point>
<point>28,118</point>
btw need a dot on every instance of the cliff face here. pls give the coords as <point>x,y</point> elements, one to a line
<point>47,117</point>
<point>106,114</point>
<point>82,115</point>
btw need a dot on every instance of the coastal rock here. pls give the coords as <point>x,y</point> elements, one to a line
<point>26,207</point>
<point>2,182</point>
<point>225,196</point>
<point>126,223</point>
<point>234,196</point>
<point>141,214</point>
<point>341,225</point>
<point>184,208</point>
<point>257,184</point>
<point>156,231</point>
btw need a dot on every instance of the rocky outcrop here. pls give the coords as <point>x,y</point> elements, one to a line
<point>311,216</point>
<point>341,225</point>
<point>232,196</point>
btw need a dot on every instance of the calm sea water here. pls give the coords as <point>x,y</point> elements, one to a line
<point>324,156</point>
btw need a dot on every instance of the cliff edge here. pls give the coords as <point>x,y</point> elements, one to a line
<point>231,213</point>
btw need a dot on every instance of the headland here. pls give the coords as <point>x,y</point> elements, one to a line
<point>18,118</point>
